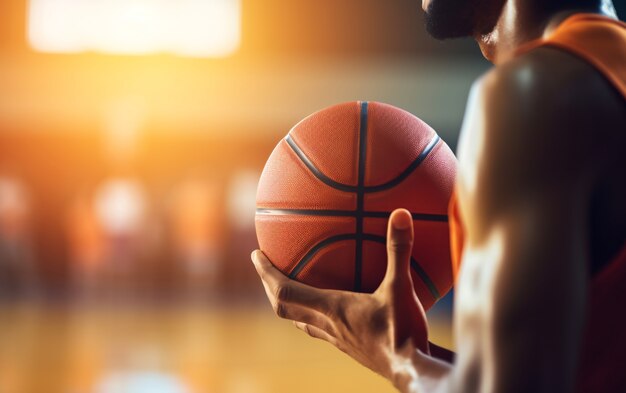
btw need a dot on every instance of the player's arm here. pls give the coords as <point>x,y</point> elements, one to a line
<point>524,185</point>
<point>524,197</point>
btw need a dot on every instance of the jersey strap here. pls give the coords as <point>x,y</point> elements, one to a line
<point>597,39</point>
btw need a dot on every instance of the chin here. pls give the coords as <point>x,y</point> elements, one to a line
<point>449,18</point>
<point>461,18</point>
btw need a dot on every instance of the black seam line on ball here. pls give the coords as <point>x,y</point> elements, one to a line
<point>319,174</point>
<point>311,253</point>
<point>346,213</point>
<point>360,196</point>
<point>369,237</point>
<point>410,169</point>
<point>414,265</point>
<point>368,189</point>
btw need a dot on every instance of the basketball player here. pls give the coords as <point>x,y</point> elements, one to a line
<point>538,218</point>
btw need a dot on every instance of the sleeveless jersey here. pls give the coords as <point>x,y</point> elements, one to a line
<point>601,42</point>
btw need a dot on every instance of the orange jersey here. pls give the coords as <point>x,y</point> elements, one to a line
<point>601,42</point>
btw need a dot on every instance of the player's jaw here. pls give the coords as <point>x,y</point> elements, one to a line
<point>461,18</point>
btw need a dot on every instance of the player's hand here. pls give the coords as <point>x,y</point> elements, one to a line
<point>380,330</point>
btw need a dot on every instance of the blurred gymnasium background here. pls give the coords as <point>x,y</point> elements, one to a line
<point>132,135</point>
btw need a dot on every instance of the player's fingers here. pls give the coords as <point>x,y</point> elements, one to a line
<point>316,332</point>
<point>399,245</point>
<point>306,316</point>
<point>281,289</point>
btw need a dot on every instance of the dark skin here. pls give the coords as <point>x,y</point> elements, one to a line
<point>541,191</point>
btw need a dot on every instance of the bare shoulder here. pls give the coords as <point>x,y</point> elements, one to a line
<point>549,111</point>
<point>546,122</point>
<point>552,70</point>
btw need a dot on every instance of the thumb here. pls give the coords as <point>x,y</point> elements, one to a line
<point>409,317</point>
<point>399,245</point>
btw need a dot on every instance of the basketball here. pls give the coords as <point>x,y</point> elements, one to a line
<point>329,187</point>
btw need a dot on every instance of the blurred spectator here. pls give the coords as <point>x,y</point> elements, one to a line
<point>111,236</point>
<point>121,208</point>
<point>241,207</point>
<point>196,228</point>
<point>17,270</point>
<point>86,245</point>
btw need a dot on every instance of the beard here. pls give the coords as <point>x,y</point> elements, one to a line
<point>462,18</point>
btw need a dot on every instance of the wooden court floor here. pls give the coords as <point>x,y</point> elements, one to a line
<point>171,349</point>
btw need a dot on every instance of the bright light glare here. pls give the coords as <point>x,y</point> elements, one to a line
<point>120,206</point>
<point>194,28</point>
<point>140,382</point>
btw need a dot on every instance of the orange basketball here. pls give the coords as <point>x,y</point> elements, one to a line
<point>328,188</point>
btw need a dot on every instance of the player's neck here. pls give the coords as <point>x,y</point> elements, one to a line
<point>518,24</point>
